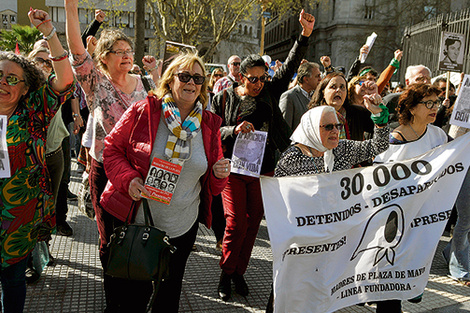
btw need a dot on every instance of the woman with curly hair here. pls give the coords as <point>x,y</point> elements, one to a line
<point>28,102</point>
<point>417,109</point>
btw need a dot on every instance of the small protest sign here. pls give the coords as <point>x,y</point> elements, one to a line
<point>248,153</point>
<point>451,52</point>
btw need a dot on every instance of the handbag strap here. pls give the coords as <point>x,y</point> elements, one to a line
<point>127,221</point>
<point>147,213</point>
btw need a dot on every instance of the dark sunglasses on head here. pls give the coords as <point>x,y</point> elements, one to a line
<point>11,79</point>
<point>254,79</point>
<point>431,104</point>
<point>235,63</point>
<point>185,77</point>
<point>47,62</point>
<point>329,127</point>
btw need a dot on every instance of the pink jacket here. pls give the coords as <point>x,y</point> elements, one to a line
<point>127,155</point>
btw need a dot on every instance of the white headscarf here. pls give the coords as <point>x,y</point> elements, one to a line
<point>308,133</point>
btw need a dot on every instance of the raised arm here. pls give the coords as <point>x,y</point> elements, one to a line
<point>283,75</point>
<point>387,74</point>
<point>63,71</point>
<point>93,27</point>
<point>72,29</point>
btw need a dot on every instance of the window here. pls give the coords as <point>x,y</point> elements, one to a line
<point>82,16</point>
<point>369,9</point>
<point>131,20</point>
<point>61,15</point>
<point>13,19</point>
<point>333,9</point>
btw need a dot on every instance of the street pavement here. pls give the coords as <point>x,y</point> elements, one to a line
<point>74,282</point>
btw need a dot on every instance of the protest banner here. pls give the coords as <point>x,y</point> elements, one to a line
<point>360,235</point>
<point>461,112</point>
<point>248,153</point>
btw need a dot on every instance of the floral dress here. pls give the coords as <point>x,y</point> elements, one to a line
<point>26,198</point>
<point>105,101</point>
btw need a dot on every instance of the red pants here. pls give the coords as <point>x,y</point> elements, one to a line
<point>243,210</point>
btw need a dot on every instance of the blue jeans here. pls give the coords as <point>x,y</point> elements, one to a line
<point>457,251</point>
<point>13,287</point>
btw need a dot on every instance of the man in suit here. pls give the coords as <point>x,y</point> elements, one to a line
<point>294,102</point>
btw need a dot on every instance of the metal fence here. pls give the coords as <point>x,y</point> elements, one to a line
<point>421,42</point>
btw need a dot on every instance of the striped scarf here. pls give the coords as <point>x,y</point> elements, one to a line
<point>178,147</point>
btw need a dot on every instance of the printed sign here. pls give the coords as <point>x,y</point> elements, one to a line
<point>361,235</point>
<point>451,52</point>
<point>461,113</point>
<point>4,157</point>
<point>161,180</point>
<point>248,153</point>
<point>370,42</point>
<point>172,50</point>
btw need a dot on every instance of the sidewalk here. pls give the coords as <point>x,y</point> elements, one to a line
<point>74,283</point>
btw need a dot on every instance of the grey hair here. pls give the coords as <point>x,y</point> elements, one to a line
<point>410,69</point>
<point>305,70</point>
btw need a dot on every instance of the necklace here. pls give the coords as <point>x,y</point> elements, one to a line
<point>413,131</point>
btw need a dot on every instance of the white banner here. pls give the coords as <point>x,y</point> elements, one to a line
<point>461,112</point>
<point>360,235</point>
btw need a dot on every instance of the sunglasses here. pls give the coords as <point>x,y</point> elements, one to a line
<point>329,127</point>
<point>218,75</point>
<point>185,77</point>
<point>46,62</point>
<point>431,104</point>
<point>235,63</point>
<point>122,53</point>
<point>254,79</point>
<point>360,82</point>
<point>11,79</point>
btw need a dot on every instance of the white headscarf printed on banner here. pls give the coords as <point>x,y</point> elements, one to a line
<point>360,235</point>
<point>308,133</point>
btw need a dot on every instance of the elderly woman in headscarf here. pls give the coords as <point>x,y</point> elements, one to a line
<point>316,147</point>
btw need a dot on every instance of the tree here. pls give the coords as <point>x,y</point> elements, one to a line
<point>187,21</point>
<point>25,36</point>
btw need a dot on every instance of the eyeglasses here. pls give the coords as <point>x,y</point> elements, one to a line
<point>235,63</point>
<point>218,75</point>
<point>360,82</point>
<point>254,79</point>
<point>431,104</point>
<point>11,79</point>
<point>185,77</point>
<point>329,127</point>
<point>122,53</point>
<point>46,62</point>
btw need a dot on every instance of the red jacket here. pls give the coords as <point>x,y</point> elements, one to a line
<point>127,155</point>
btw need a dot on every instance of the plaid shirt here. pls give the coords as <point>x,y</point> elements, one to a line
<point>224,83</point>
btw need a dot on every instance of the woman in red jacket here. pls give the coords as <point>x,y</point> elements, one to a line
<point>174,131</point>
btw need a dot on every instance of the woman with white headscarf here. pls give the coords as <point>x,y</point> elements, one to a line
<point>316,147</point>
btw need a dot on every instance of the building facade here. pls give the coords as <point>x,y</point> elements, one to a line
<point>342,28</point>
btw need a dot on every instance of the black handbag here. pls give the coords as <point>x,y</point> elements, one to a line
<point>139,252</point>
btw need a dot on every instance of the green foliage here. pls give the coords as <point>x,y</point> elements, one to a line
<point>25,35</point>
